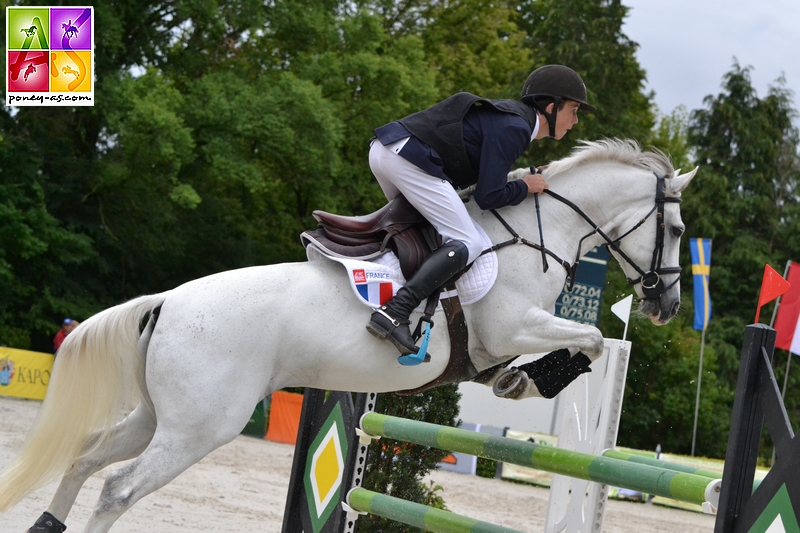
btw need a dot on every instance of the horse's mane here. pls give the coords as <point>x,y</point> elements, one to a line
<point>625,151</point>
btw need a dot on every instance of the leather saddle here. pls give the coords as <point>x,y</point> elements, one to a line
<point>397,226</point>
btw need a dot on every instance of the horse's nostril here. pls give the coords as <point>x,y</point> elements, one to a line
<point>675,308</point>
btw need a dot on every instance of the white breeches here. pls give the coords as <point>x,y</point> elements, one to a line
<point>435,198</point>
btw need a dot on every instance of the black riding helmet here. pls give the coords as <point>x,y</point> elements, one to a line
<point>554,83</point>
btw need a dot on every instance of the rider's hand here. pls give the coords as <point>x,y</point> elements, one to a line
<point>535,183</point>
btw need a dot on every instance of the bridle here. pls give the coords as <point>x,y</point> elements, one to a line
<point>652,284</point>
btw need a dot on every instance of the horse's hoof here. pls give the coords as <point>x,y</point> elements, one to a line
<point>510,385</point>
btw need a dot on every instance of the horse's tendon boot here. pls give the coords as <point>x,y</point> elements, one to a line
<point>47,523</point>
<point>546,363</point>
<point>557,380</point>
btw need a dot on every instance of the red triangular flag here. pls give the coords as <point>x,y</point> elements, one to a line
<point>772,286</point>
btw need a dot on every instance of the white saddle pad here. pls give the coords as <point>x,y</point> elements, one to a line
<point>377,280</point>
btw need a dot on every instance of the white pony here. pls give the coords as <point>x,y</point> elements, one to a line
<point>213,347</point>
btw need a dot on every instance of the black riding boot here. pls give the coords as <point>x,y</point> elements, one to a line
<point>391,321</point>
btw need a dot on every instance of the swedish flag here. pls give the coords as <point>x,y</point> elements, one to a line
<point>701,268</point>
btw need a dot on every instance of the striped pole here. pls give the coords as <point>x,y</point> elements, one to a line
<point>632,475</point>
<point>418,515</point>
<point>704,472</point>
<point>658,463</point>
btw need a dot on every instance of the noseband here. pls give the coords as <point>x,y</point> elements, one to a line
<point>652,284</point>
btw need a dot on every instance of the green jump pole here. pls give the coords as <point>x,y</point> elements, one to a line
<point>658,463</point>
<point>631,475</point>
<point>418,515</point>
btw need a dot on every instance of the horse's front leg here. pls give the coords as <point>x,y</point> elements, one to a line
<point>571,346</point>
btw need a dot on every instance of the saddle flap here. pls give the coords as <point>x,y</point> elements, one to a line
<point>413,245</point>
<point>397,211</point>
<point>363,251</point>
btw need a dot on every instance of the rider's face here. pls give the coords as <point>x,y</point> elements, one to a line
<point>566,118</point>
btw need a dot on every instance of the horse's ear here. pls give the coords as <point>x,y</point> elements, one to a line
<point>680,182</point>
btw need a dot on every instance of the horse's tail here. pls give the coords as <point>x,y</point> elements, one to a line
<point>95,374</point>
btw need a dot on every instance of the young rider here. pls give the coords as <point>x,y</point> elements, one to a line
<point>464,140</point>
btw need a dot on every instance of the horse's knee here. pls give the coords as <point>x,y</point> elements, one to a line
<point>598,344</point>
<point>117,495</point>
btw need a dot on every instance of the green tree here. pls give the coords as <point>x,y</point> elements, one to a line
<point>37,252</point>
<point>370,79</point>
<point>219,128</point>
<point>671,137</point>
<point>65,164</point>
<point>659,401</point>
<point>488,63</point>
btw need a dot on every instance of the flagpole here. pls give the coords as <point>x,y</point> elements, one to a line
<point>625,334</point>
<point>778,301</point>
<point>702,264</point>
<point>788,352</point>
<point>699,380</point>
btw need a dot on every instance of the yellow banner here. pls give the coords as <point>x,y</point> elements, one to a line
<point>24,374</point>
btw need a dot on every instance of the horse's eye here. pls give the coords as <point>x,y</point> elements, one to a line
<point>677,231</point>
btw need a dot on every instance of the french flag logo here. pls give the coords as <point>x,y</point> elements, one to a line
<point>374,291</point>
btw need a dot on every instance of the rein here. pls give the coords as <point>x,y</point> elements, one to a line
<point>652,284</point>
<point>516,239</point>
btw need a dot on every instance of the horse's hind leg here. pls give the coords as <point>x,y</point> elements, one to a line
<point>168,455</point>
<point>127,440</point>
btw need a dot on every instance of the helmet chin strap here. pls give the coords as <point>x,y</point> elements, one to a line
<point>551,121</point>
<point>551,117</point>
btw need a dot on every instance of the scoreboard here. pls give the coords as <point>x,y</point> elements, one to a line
<point>583,303</point>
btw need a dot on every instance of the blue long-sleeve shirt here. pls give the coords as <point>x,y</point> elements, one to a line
<point>493,140</point>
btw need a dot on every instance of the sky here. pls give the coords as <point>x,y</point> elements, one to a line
<point>686,46</point>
